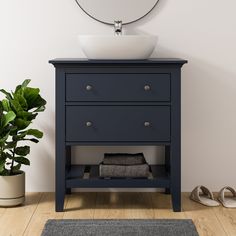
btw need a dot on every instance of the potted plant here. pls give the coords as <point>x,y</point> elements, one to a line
<point>17,111</point>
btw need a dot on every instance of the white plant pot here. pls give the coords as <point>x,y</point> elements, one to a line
<point>12,189</point>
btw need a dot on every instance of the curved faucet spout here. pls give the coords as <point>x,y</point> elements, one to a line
<point>118,27</point>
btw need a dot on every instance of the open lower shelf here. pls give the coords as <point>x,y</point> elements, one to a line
<point>87,176</point>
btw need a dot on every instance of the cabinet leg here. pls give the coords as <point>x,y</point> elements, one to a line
<point>167,191</point>
<point>167,164</point>
<point>68,164</point>
<point>59,201</point>
<point>176,199</point>
<point>175,177</point>
<point>60,176</point>
<point>68,190</point>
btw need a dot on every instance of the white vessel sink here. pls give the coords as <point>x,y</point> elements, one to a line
<point>117,47</point>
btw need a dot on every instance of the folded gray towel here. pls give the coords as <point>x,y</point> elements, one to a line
<point>123,159</point>
<point>121,171</point>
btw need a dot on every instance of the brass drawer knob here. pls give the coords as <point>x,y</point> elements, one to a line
<point>147,124</point>
<point>89,123</point>
<point>89,87</point>
<point>147,87</point>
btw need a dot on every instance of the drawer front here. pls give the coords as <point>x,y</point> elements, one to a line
<point>118,87</point>
<point>117,123</point>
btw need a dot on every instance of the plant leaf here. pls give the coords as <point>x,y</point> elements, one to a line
<point>8,95</point>
<point>5,172</point>
<point>19,88</point>
<point>15,105</point>
<point>22,151</point>
<point>25,115</point>
<point>40,109</point>
<point>25,83</point>
<point>22,124</point>
<point>7,118</point>
<point>4,139</point>
<point>19,136</point>
<point>16,167</point>
<point>1,109</point>
<point>2,167</point>
<point>6,105</point>
<point>22,160</point>
<point>22,101</point>
<point>31,95</point>
<point>10,145</point>
<point>2,164</point>
<point>8,155</point>
<point>34,140</point>
<point>38,102</point>
<point>34,132</point>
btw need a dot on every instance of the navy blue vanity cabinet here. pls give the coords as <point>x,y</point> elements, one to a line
<point>111,102</point>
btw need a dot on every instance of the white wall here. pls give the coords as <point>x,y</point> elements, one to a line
<point>32,32</point>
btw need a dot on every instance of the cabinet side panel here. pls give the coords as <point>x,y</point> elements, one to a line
<point>60,139</point>
<point>175,149</point>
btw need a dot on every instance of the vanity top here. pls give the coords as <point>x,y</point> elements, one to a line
<point>148,61</point>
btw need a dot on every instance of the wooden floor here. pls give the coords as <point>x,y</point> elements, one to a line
<point>30,219</point>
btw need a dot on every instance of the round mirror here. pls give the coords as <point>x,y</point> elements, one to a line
<point>108,11</point>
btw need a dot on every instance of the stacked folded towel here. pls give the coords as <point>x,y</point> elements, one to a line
<point>124,165</point>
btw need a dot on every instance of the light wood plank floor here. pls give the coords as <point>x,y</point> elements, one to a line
<point>30,219</point>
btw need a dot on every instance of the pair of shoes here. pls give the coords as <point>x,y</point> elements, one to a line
<point>204,196</point>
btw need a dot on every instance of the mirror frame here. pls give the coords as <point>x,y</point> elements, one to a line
<point>77,1</point>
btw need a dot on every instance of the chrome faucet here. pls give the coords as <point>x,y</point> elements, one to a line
<point>118,27</point>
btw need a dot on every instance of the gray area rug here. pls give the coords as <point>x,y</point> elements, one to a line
<point>119,228</point>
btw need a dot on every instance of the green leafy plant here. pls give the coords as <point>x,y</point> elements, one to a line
<point>17,111</point>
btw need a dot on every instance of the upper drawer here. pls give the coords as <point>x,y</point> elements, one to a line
<point>118,87</point>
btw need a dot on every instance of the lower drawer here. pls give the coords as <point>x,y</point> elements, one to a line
<point>117,123</point>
